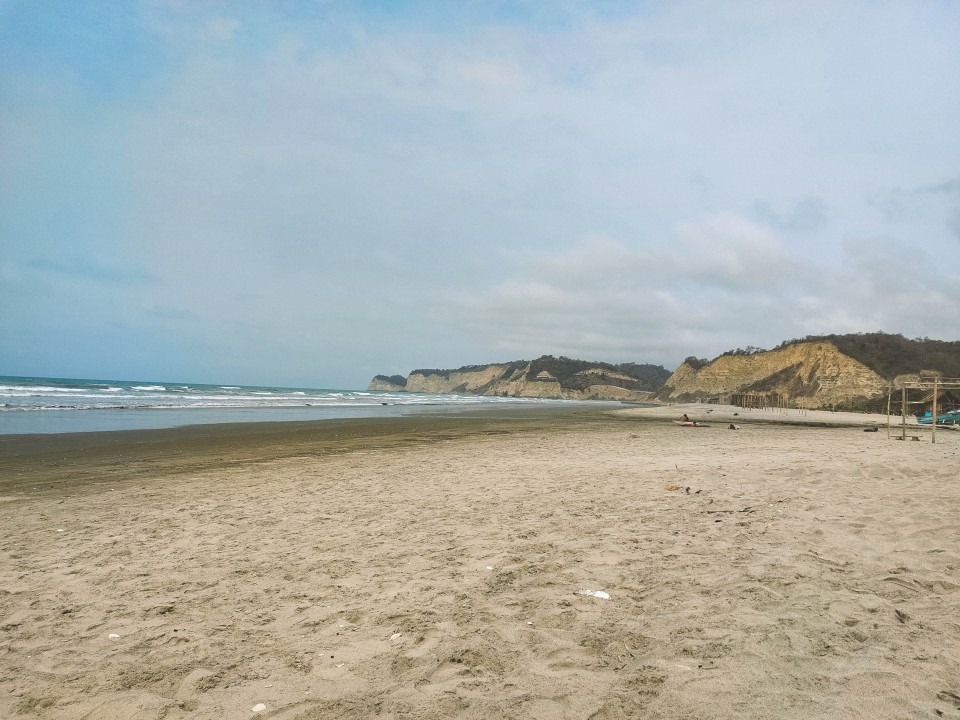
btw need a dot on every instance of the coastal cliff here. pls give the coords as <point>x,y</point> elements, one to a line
<point>815,374</point>
<point>546,377</point>
<point>387,383</point>
<point>852,371</point>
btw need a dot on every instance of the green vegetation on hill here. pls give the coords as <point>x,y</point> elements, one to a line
<point>511,367</point>
<point>571,373</point>
<point>891,355</point>
<point>653,375</point>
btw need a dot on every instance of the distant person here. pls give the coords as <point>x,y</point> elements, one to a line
<point>685,418</point>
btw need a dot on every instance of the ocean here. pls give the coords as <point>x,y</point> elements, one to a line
<point>58,405</point>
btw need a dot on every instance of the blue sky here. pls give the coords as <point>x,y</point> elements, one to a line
<point>310,193</point>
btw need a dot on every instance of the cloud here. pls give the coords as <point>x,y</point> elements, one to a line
<point>723,283</point>
<point>600,296</point>
<point>808,215</point>
<point>494,76</point>
<point>732,253</point>
<point>949,191</point>
<point>947,187</point>
<point>883,284</point>
<point>933,200</point>
<point>222,29</point>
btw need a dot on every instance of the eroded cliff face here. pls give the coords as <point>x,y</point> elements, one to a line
<point>816,372</point>
<point>527,380</point>
<point>385,383</point>
<point>475,381</point>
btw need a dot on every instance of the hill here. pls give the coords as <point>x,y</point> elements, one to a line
<point>545,377</point>
<point>892,355</point>
<point>836,371</point>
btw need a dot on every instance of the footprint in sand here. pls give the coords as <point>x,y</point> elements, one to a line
<point>425,644</point>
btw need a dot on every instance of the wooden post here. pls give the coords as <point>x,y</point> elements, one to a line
<point>903,414</point>
<point>933,419</point>
<point>889,393</point>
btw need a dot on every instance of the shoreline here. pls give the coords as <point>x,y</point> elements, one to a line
<point>55,458</point>
<point>100,457</point>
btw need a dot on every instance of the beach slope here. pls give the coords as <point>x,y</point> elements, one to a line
<point>437,568</point>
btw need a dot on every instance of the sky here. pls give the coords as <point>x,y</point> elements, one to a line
<point>311,193</point>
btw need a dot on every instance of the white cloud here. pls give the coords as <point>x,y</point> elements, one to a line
<point>493,75</point>
<point>222,29</point>
<point>724,283</point>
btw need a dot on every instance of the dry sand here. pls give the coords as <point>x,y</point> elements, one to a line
<point>429,568</point>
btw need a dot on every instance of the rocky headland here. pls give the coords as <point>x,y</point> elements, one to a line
<point>547,377</point>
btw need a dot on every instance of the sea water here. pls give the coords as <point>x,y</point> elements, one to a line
<point>57,405</point>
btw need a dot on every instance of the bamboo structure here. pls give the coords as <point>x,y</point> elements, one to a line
<point>777,402</point>
<point>935,384</point>
<point>889,395</point>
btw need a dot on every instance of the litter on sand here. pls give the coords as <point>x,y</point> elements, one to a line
<point>112,636</point>
<point>259,707</point>
<point>600,594</point>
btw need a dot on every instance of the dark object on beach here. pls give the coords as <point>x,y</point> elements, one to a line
<point>948,696</point>
<point>871,429</point>
<point>736,414</point>
<point>901,616</point>
<point>688,489</point>
<point>734,427</point>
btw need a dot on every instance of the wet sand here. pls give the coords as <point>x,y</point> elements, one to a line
<point>430,568</point>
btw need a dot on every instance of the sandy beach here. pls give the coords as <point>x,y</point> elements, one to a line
<point>438,567</point>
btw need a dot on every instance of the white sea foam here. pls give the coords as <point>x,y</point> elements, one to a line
<point>22,397</point>
<point>40,389</point>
